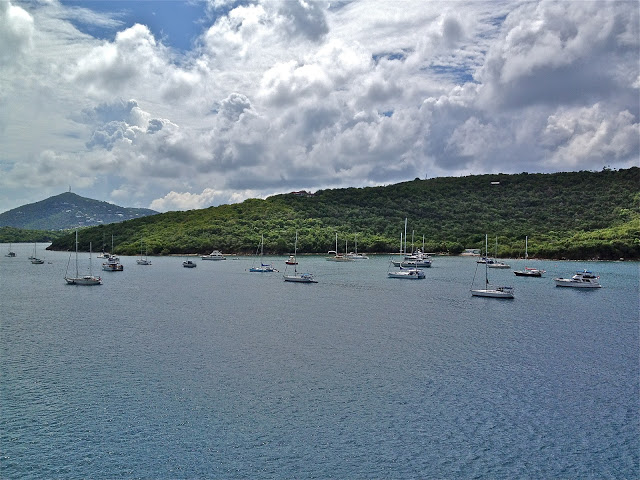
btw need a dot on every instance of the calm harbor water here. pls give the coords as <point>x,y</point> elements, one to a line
<point>215,372</point>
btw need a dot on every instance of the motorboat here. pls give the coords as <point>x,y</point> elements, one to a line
<point>582,279</point>
<point>189,264</point>
<point>215,255</point>
<point>291,260</point>
<point>112,264</point>
<point>407,273</point>
<point>529,272</point>
<point>417,259</point>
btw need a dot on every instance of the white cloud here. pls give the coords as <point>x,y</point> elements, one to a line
<point>288,95</point>
<point>591,137</point>
<point>190,201</point>
<point>16,32</point>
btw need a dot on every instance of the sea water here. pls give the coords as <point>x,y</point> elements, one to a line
<point>216,372</point>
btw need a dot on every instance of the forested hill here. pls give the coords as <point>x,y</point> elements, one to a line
<point>68,210</point>
<point>565,215</point>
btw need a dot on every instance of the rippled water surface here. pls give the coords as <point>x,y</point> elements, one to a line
<point>215,372</point>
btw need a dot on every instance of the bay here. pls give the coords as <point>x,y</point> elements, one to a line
<point>216,372</point>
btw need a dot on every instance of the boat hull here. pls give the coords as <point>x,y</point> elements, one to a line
<point>87,280</point>
<point>262,269</point>
<point>112,268</point>
<point>408,275</point>
<point>566,282</point>
<point>299,278</point>
<point>527,274</point>
<point>492,293</point>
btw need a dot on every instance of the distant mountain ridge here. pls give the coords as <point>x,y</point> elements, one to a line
<point>69,210</point>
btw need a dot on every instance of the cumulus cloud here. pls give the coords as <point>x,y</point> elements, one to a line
<point>591,137</point>
<point>190,201</point>
<point>16,32</point>
<point>287,95</point>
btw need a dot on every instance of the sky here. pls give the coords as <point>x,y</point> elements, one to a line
<point>178,105</point>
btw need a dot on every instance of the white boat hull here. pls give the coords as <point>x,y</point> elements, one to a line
<point>407,274</point>
<point>86,280</point>
<point>262,269</point>
<point>567,282</point>
<point>493,293</point>
<point>300,278</point>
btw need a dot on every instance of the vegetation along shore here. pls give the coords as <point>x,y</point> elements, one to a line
<point>572,215</point>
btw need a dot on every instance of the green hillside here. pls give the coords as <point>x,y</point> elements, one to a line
<point>566,215</point>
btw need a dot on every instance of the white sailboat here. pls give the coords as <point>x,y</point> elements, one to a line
<point>338,257</point>
<point>263,267</point>
<point>85,279</point>
<point>298,277</point>
<point>496,263</point>
<point>528,271</point>
<point>34,259</point>
<point>491,290</point>
<point>355,255</point>
<point>145,260</point>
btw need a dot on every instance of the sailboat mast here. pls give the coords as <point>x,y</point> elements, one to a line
<point>405,235</point>
<point>90,262</point>
<point>76,253</point>
<point>486,268</point>
<point>295,254</point>
<point>526,247</point>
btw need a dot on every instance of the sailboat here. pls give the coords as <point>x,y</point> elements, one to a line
<point>355,255</point>
<point>298,277</point>
<point>10,253</point>
<point>496,263</point>
<point>34,259</point>
<point>145,260</point>
<point>264,267</point>
<point>86,279</point>
<point>490,290</point>
<point>528,271</point>
<point>338,257</point>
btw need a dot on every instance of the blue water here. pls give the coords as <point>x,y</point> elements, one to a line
<point>214,372</point>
